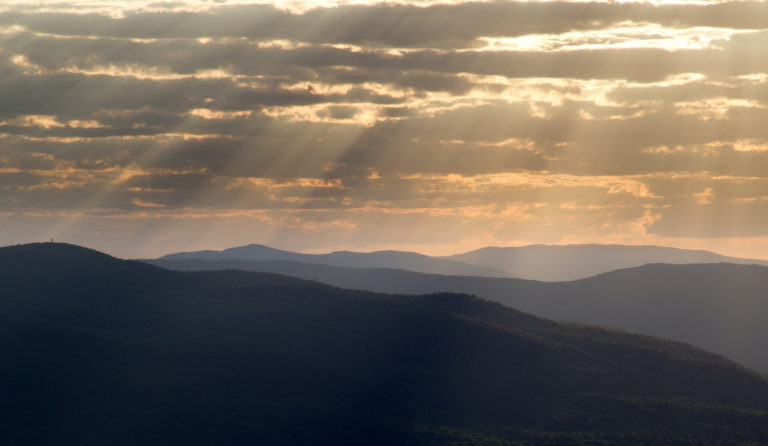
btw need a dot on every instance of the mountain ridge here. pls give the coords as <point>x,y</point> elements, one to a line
<point>533,262</point>
<point>714,306</point>
<point>173,356</point>
<point>573,262</point>
<point>388,258</point>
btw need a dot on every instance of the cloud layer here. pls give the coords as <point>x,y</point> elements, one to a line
<point>143,128</point>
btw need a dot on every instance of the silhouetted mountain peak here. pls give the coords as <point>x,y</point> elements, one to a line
<point>37,263</point>
<point>52,248</point>
<point>253,250</point>
<point>47,253</point>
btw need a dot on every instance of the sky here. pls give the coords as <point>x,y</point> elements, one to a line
<point>141,128</point>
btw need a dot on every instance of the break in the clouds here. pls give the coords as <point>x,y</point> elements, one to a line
<point>143,127</point>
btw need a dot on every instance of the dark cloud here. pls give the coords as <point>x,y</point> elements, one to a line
<point>443,26</point>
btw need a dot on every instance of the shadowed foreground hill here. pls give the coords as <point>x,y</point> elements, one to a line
<point>719,307</point>
<point>96,350</point>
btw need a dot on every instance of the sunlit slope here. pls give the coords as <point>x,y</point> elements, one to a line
<point>719,307</point>
<point>99,350</point>
<point>572,262</point>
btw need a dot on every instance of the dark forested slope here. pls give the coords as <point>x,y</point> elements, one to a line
<point>97,350</point>
<point>719,307</point>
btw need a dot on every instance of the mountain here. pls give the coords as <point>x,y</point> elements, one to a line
<point>380,259</point>
<point>535,262</point>
<point>719,307</point>
<point>570,262</point>
<point>97,350</point>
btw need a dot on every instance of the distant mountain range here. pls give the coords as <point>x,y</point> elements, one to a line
<point>534,262</point>
<point>572,262</point>
<point>719,307</point>
<point>380,259</point>
<point>97,350</point>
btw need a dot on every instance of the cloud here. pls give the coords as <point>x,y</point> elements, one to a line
<point>713,220</point>
<point>393,25</point>
<point>387,123</point>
